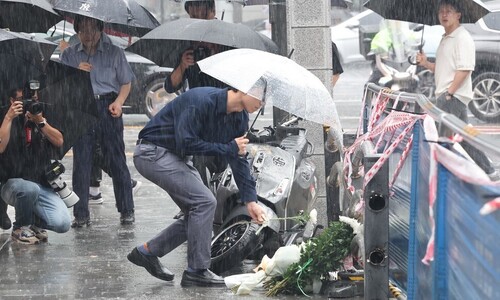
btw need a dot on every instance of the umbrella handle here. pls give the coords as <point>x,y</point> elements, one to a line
<point>420,47</point>
<point>253,123</point>
<point>411,62</point>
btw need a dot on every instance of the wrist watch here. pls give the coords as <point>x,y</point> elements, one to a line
<point>42,124</point>
<point>448,95</point>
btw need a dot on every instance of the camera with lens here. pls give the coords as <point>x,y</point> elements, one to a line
<point>29,104</point>
<point>53,175</point>
<point>201,53</point>
<point>32,106</point>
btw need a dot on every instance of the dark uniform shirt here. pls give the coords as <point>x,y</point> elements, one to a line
<point>195,78</point>
<point>197,123</point>
<point>336,66</point>
<point>26,160</point>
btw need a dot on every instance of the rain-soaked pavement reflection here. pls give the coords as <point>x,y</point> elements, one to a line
<point>91,263</point>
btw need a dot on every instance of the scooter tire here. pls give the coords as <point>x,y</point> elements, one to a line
<point>233,244</point>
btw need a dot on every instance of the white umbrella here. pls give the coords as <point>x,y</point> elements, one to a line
<point>275,79</point>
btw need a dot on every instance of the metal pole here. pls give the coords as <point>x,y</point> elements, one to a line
<point>376,231</point>
<point>278,20</point>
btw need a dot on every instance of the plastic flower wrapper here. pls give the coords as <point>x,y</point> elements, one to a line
<point>277,265</point>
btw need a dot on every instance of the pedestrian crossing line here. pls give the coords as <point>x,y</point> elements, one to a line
<point>70,154</point>
<point>134,126</point>
<point>349,118</point>
<point>347,101</point>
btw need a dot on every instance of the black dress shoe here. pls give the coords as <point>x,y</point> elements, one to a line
<point>151,263</point>
<point>80,222</point>
<point>127,218</point>
<point>201,278</point>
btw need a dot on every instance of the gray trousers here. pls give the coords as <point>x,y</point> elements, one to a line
<point>459,109</point>
<point>182,182</point>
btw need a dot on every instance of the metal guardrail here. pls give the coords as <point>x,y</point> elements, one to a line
<point>481,141</point>
<point>376,242</point>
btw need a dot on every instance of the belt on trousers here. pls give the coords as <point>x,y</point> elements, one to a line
<point>108,96</point>
<point>144,142</point>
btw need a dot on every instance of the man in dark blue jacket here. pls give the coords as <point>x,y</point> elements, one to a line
<point>202,121</point>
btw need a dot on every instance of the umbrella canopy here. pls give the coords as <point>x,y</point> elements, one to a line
<point>277,80</point>
<point>424,13</point>
<point>68,95</point>
<point>27,15</point>
<point>123,16</point>
<point>66,92</point>
<point>165,44</point>
<point>22,57</point>
<point>338,3</point>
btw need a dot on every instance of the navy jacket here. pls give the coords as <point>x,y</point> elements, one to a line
<point>197,123</point>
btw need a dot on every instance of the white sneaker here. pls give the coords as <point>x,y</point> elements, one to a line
<point>136,185</point>
<point>24,235</point>
<point>95,199</point>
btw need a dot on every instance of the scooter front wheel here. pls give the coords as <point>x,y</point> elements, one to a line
<point>233,244</point>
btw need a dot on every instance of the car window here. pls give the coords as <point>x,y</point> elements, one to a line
<point>370,19</point>
<point>492,20</point>
<point>55,35</point>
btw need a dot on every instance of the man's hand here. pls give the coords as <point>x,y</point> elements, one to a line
<point>16,108</point>
<point>85,66</point>
<point>242,145</point>
<point>63,45</point>
<point>35,118</point>
<point>256,212</point>
<point>421,59</point>
<point>115,109</point>
<point>187,59</point>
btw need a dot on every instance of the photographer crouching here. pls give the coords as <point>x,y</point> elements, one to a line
<point>27,142</point>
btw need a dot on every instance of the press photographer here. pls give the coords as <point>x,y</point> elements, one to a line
<point>27,143</point>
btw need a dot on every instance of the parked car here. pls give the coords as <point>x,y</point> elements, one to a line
<point>354,35</point>
<point>346,35</point>
<point>353,38</point>
<point>147,95</point>
<point>485,104</point>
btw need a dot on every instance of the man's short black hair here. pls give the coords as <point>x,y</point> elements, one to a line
<point>13,92</point>
<point>208,4</point>
<point>79,20</point>
<point>452,3</point>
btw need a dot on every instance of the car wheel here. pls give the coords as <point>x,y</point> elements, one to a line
<point>485,104</point>
<point>156,97</point>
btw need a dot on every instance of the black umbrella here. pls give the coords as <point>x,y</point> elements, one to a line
<point>22,57</point>
<point>339,3</point>
<point>165,44</point>
<point>424,12</point>
<point>27,15</point>
<point>249,2</point>
<point>68,95</point>
<point>122,16</point>
<point>65,92</point>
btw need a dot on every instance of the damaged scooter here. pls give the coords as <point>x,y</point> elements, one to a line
<point>286,186</point>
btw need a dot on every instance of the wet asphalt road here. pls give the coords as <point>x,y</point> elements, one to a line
<point>90,263</point>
